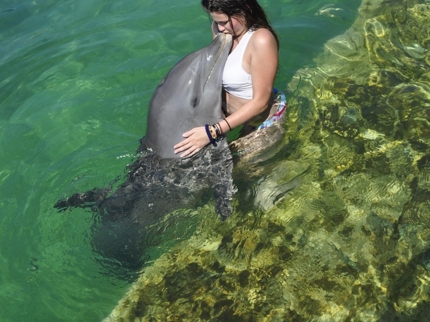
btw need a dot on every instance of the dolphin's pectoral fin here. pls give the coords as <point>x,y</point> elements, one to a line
<point>223,196</point>
<point>221,179</point>
<point>142,146</point>
<point>83,199</point>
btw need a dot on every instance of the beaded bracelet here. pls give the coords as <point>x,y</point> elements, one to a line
<point>217,129</point>
<point>208,132</point>
<point>212,131</point>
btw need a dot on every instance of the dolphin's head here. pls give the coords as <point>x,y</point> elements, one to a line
<point>196,78</point>
<point>189,96</point>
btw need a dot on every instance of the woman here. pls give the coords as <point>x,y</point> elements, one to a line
<point>249,72</point>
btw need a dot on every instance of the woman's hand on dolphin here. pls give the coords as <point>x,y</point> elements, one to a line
<point>194,141</point>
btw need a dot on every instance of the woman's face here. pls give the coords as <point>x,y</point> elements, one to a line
<point>234,26</point>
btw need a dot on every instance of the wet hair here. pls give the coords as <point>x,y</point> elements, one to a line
<point>254,15</point>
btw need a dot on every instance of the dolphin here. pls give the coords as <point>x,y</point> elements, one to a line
<point>159,181</point>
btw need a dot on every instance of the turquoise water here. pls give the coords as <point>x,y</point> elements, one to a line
<point>75,81</point>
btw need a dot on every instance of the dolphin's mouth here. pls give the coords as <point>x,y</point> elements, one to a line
<point>226,41</point>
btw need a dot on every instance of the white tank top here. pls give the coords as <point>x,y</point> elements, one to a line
<point>235,79</point>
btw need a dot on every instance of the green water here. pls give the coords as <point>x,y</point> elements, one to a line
<point>75,81</point>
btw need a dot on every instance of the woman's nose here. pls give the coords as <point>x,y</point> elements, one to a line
<point>221,27</point>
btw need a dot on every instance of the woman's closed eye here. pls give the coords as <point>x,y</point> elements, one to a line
<point>221,23</point>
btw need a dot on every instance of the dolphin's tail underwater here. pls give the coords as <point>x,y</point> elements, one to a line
<point>152,189</point>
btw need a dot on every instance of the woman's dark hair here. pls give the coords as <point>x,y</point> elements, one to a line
<point>254,15</point>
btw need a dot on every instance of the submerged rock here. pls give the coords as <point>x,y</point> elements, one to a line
<point>351,241</point>
<point>332,10</point>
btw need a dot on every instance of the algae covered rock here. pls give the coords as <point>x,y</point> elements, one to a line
<point>346,234</point>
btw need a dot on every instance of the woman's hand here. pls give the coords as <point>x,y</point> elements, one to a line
<point>194,141</point>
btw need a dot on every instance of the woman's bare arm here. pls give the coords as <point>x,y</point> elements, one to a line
<point>262,64</point>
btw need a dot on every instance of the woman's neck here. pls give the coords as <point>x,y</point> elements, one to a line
<point>238,38</point>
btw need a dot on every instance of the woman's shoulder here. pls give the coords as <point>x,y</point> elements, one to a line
<point>263,37</point>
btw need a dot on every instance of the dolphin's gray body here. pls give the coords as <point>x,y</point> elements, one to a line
<point>159,182</point>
